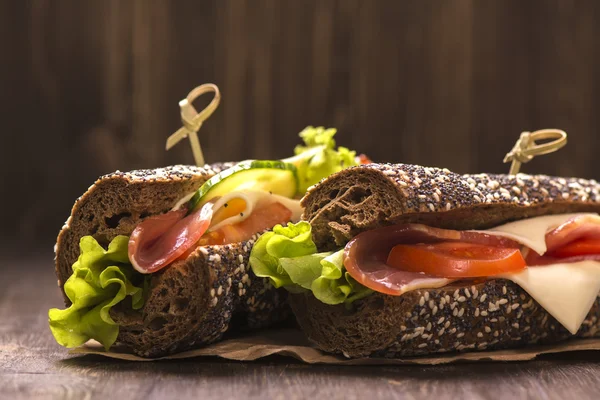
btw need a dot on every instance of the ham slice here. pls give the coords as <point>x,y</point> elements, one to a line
<point>159,240</point>
<point>162,239</point>
<point>580,227</point>
<point>365,256</point>
<point>586,226</point>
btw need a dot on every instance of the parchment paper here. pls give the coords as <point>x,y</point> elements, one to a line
<point>292,343</point>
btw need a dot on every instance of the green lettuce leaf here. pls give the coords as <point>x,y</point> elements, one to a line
<point>100,280</point>
<point>288,257</point>
<point>318,158</point>
<point>290,241</point>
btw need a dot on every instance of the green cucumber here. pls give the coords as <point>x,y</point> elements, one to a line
<point>272,176</point>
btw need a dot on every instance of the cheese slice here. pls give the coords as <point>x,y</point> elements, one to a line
<point>566,291</point>
<point>183,201</point>
<point>251,199</point>
<point>531,232</point>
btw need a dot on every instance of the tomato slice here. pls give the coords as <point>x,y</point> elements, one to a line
<point>577,248</point>
<point>364,159</point>
<point>262,218</point>
<point>456,259</point>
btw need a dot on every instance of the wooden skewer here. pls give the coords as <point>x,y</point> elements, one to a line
<point>526,147</point>
<point>192,120</point>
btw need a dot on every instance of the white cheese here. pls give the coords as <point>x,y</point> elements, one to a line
<point>183,201</point>
<point>252,198</point>
<point>566,291</point>
<point>531,232</point>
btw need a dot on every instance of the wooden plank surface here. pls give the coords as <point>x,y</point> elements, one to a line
<point>33,366</point>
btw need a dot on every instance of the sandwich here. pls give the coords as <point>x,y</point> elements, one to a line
<point>157,260</point>
<point>396,260</point>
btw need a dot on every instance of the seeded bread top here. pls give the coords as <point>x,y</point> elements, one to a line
<point>117,202</point>
<point>369,196</point>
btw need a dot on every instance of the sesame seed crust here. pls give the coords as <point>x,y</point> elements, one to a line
<point>368,196</point>
<point>172,172</point>
<point>394,327</point>
<point>192,303</point>
<point>425,186</point>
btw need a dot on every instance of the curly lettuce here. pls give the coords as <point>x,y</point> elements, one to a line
<point>100,280</point>
<point>318,157</point>
<point>289,258</point>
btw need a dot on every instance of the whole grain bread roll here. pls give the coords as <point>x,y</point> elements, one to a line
<point>463,316</point>
<point>190,303</point>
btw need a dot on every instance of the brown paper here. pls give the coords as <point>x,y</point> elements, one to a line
<point>292,343</point>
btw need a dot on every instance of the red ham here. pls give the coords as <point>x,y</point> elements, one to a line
<point>161,239</point>
<point>583,227</point>
<point>365,256</point>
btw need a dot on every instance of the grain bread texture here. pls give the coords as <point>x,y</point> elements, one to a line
<point>191,302</point>
<point>370,196</point>
<point>497,314</point>
<point>463,316</point>
<point>117,202</point>
<point>195,302</point>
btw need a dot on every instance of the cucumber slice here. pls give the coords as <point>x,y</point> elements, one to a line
<point>272,176</point>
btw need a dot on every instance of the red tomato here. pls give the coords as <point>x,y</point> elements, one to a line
<point>577,248</point>
<point>262,218</point>
<point>456,259</point>
<point>363,159</point>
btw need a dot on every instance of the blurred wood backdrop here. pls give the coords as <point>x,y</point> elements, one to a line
<point>92,86</point>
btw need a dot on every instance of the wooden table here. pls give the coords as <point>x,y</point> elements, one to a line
<point>33,365</point>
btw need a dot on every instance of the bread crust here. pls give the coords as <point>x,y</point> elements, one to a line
<point>370,196</point>
<point>195,302</point>
<point>191,302</point>
<point>117,202</point>
<point>497,314</point>
<point>491,315</point>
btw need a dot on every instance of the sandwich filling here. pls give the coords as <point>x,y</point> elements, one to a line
<point>556,259</point>
<point>236,217</point>
<point>231,207</point>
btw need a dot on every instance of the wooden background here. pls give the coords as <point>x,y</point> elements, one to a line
<point>88,87</point>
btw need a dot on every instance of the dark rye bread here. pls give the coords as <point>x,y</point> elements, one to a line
<point>496,314</point>
<point>117,202</point>
<point>191,302</point>
<point>194,302</point>
<point>370,196</point>
<point>490,315</point>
